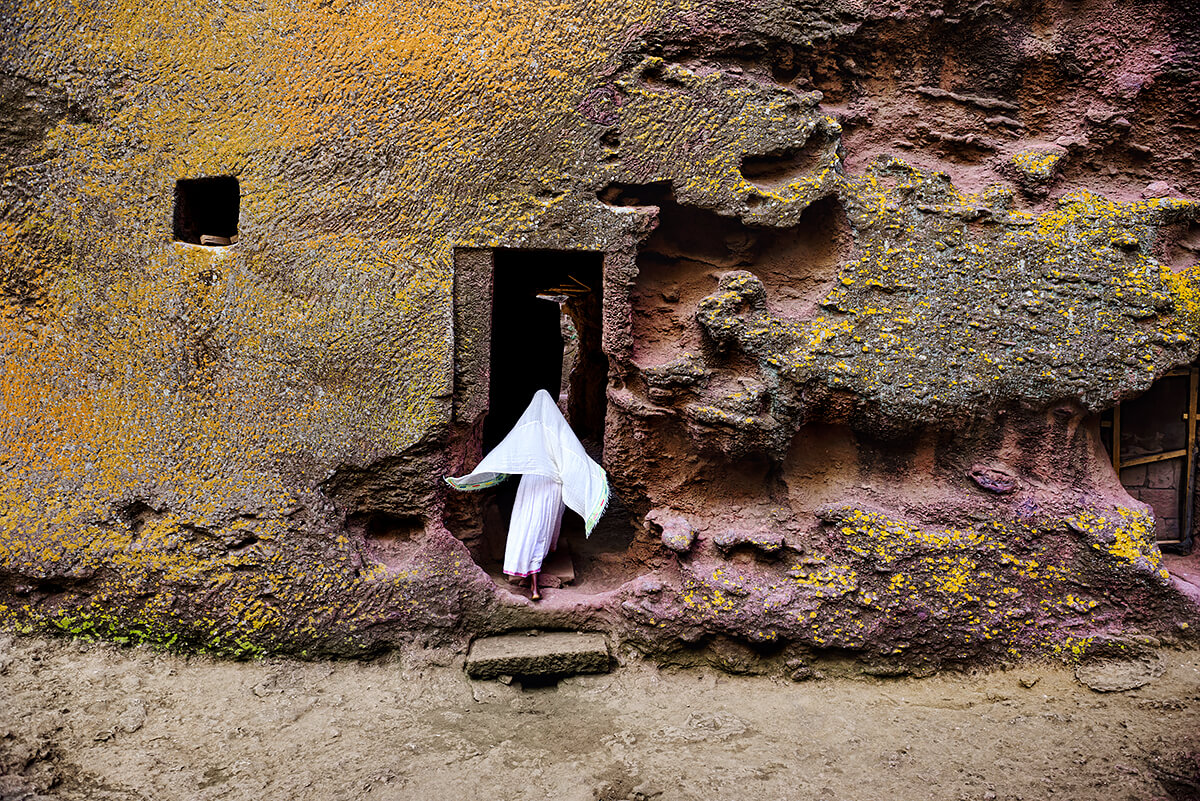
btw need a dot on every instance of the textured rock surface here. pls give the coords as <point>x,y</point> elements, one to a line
<point>871,271</point>
<point>550,654</point>
<point>1110,676</point>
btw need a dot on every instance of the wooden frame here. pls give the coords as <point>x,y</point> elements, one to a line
<point>1188,453</point>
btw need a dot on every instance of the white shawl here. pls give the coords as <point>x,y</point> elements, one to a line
<point>543,444</point>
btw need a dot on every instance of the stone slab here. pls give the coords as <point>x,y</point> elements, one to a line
<point>559,563</point>
<point>1119,675</point>
<point>1164,475</point>
<point>547,654</point>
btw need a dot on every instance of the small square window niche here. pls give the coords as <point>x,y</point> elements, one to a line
<point>206,210</point>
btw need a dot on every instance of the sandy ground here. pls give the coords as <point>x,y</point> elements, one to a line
<point>94,721</point>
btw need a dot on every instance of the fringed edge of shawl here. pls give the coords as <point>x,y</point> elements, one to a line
<point>477,485</point>
<point>589,524</point>
<point>597,513</point>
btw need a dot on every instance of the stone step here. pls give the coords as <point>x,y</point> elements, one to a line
<point>553,653</point>
<point>558,563</point>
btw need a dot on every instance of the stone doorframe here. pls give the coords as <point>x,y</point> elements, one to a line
<point>474,270</point>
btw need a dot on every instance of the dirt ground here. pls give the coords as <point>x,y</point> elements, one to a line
<point>94,721</point>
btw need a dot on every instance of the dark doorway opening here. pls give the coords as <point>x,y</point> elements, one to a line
<point>546,333</point>
<point>206,210</point>
<point>546,329</point>
<point>1151,441</point>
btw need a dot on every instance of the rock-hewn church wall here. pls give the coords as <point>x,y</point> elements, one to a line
<point>860,280</point>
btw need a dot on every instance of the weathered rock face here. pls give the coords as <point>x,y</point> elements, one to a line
<point>859,280</point>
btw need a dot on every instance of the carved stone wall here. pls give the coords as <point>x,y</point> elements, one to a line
<point>871,272</point>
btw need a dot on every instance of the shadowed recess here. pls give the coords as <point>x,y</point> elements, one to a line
<point>206,210</point>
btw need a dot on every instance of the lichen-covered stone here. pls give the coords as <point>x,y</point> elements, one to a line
<point>870,274</point>
<point>1037,167</point>
<point>677,533</point>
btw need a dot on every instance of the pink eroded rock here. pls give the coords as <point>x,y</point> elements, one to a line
<point>1156,189</point>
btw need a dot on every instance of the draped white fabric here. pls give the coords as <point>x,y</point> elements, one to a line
<point>536,520</point>
<point>543,444</point>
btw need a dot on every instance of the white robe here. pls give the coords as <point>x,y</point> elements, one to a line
<point>536,520</point>
<point>555,472</point>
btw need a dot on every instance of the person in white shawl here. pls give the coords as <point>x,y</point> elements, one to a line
<point>555,473</point>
